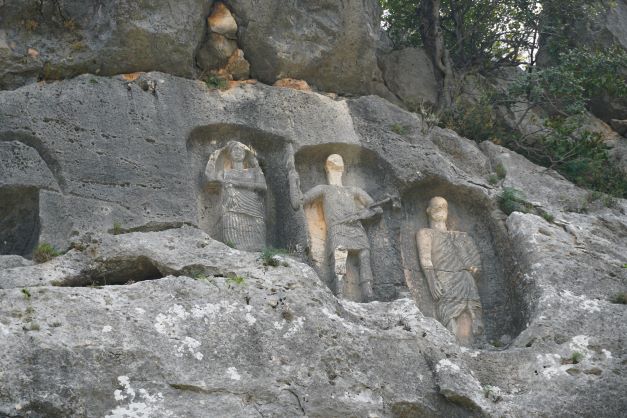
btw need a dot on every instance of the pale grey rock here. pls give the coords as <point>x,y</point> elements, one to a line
<point>408,73</point>
<point>110,37</point>
<point>11,261</point>
<point>332,45</point>
<point>123,155</point>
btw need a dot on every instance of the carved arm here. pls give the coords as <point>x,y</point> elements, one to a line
<point>423,240</point>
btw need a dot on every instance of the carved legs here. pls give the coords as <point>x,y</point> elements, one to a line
<point>340,256</point>
<point>365,276</point>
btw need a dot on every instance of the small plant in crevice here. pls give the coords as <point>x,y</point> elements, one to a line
<point>547,216</point>
<point>500,170</point>
<point>493,179</point>
<point>269,256</point>
<point>235,280</point>
<point>513,200</point>
<point>230,244</point>
<point>620,298</point>
<point>575,358</point>
<point>44,252</point>
<point>117,228</point>
<point>399,129</point>
<point>497,343</point>
<point>26,293</point>
<point>217,82</point>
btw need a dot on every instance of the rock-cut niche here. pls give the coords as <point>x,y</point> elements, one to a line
<point>241,186</point>
<point>19,220</point>
<point>354,249</point>
<point>457,232</point>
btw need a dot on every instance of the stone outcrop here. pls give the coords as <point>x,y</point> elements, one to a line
<point>331,45</point>
<point>146,313</point>
<point>408,73</point>
<point>219,53</point>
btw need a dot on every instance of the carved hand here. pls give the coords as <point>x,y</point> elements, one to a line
<point>435,287</point>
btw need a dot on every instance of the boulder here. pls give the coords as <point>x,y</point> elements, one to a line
<point>408,73</point>
<point>331,45</point>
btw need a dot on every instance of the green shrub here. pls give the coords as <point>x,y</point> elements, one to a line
<point>235,279</point>
<point>269,256</point>
<point>44,252</point>
<point>399,129</point>
<point>547,216</point>
<point>620,298</point>
<point>501,172</point>
<point>513,200</point>
<point>217,82</point>
<point>493,179</point>
<point>117,228</point>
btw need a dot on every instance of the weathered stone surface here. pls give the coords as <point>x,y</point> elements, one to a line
<point>291,83</point>
<point>546,292</point>
<point>332,45</point>
<point>110,37</point>
<point>215,52</point>
<point>237,66</point>
<point>408,73</point>
<point>10,261</point>
<point>221,21</point>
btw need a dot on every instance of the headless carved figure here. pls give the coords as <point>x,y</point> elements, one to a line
<point>450,261</point>
<point>243,188</point>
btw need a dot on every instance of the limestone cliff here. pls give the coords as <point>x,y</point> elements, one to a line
<point>145,313</point>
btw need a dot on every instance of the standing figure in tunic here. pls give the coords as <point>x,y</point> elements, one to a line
<point>451,263</point>
<point>334,214</point>
<point>236,171</point>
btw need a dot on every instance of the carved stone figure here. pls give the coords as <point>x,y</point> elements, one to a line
<point>236,172</point>
<point>334,215</point>
<point>451,263</point>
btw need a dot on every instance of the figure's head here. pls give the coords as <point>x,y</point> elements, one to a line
<point>334,168</point>
<point>237,151</point>
<point>438,209</point>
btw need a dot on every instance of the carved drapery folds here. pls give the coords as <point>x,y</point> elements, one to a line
<point>451,263</point>
<point>234,172</point>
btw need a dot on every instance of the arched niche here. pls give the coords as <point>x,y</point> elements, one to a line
<point>271,152</point>
<point>470,211</point>
<point>19,220</point>
<point>366,170</point>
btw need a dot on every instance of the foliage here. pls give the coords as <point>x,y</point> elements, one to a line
<point>235,279</point>
<point>479,33</point>
<point>399,129</point>
<point>493,179</point>
<point>117,228</point>
<point>44,252</point>
<point>513,200</point>
<point>501,172</point>
<point>566,88</point>
<point>217,82</point>
<point>26,293</point>
<point>269,256</point>
<point>547,216</point>
<point>476,121</point>
<point>575,358</point>
<point>620,298</point>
